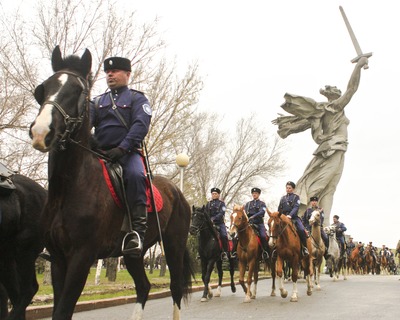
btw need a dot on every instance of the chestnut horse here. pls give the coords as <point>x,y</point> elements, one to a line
<point>318,246</point>
<point>210,252</point>
<point>82,219</point>
<point>248,251</point>
<point>286,241</point>
<point>369,261</point>
<point>355,259</point>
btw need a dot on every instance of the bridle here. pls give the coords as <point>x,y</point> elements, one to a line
<point>282,229</point>
<point>71,123</point>
<point>201,227</point>
<point>237,227</point>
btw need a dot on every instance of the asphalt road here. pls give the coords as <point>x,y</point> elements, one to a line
<point>359,297</point>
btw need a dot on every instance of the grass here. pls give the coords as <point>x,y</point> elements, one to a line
<point>123,286</point>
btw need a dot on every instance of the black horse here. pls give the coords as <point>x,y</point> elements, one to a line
<point>209,251</point>
<point>83,221</point>
<point>21,241</point>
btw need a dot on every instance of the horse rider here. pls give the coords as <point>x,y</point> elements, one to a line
<point>306,221</point>
<point>340,228</point>
<point>289,206</point>
<point>216,208</point>
<point>350,246</point>
<point>255,210</point>
<point>372,250</point>
<point>121,117</point>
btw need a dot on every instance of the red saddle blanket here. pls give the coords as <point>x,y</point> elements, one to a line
<point>158,200</point>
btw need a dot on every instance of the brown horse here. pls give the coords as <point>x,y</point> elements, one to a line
<point>384,262</point>
<point>248,251</point>
<point>285,240</point>
<point>355,259</point>
<point>369,261</point>
<point>82,219</point>
<point>318,246</point>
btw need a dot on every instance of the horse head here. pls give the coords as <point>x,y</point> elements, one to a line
<point>239,219</point>
<point>277,224</point>
<point>315,218</point>
<point>63,100</point>
<point>200,220</point>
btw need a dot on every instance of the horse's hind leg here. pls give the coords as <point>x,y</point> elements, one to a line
<point>232,274</point>
<point>136,269</point>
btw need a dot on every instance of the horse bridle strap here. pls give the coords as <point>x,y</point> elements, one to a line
<point>70,122</point>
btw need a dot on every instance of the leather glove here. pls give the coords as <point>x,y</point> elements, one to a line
<point>115,153</point>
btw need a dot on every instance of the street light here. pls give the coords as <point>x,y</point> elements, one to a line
<point>182,160</point>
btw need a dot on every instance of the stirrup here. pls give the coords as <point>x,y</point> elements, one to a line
<point>134,252</point>
<point>265,255</point>
<point>233,255</point>
<point>224,256</point>
<point>304,251</point>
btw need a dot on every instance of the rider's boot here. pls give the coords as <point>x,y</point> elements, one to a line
<point>304,250</point>
<point>265,254</point>
<point>224,254</point>
<point>133,241</point>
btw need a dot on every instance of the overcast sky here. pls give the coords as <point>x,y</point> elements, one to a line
<point>252,52</point>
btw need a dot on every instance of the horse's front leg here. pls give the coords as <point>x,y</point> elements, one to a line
<point>70,281</point>
<point>220,277</point>
<point>273,275</point>
<point>279,274</point>
<point>250,273</point>
<point>295,274</point>
<point>242,270</point>
<point>232,274</point>
<point>206,269</point>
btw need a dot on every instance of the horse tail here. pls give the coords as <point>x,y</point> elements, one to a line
<point>188,274</point>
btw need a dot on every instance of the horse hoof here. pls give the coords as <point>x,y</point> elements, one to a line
<point>273,294</point>
<point>318,288</point>
<point>204,300</point>
<point>293,299</point>
<point>233,289</point>
<point>253,297</point>
<point>217,294</point>
<point>309,293</point>
<point>284,294</point>
<point>247,299</point>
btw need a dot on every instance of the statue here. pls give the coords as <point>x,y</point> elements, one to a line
<point>328,124</point>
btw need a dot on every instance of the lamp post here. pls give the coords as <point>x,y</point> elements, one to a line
<point>182,160</point>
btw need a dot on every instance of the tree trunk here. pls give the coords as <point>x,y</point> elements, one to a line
<point>47,273</point>
<point>111,269</point>
<point>98,272</point>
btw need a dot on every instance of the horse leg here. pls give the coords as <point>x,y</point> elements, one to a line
<point>206,270</point>
<point>220,276</point>
<point>273,275</point>
<point>69,281</point>
<point>242,270</point>
<point>281,280</point>
<point>295,273</point>
<point>232,274</point>
<point>249,280</point>
<point>27,283</point>
<point>255,276</point>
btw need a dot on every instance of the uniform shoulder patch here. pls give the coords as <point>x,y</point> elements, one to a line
<point>147,109</point>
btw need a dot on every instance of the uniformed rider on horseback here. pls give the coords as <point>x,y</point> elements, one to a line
<point>340,228</point>
<point>255,210</point>
<point>306,218</point>
<point>289,206</point>
<point>216,208</point>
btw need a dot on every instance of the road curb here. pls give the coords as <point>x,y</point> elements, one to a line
<point>41,312</point>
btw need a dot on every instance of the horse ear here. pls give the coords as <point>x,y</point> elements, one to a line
<point>86,61</point>
<point>269,212</point>
<point>56,59</point>
<point>39,94</point>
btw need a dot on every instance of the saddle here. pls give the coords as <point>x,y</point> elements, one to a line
<point>6,184</point>
<point>113,174</point>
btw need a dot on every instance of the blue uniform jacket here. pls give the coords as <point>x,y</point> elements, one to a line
<point>255,210</point>
<point>110,132</point>
<point>216,209</point>
<point>289,205</point>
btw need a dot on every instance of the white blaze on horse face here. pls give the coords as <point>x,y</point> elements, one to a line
<point>234,215</point>
<point>271,241</point>
<point>44,119</point>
